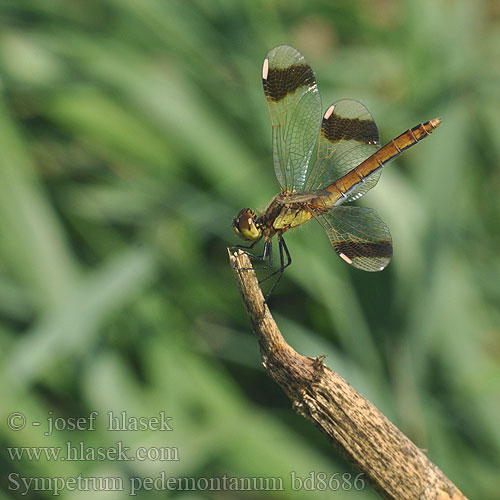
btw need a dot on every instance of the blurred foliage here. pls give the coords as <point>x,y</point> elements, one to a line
<point>132,132</point>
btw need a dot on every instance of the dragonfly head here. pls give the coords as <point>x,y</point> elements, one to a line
<point>245,225</point>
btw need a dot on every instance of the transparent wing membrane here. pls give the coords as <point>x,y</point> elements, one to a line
<point>347,137</point>
<point>295,108</point>
<point>358,236</point>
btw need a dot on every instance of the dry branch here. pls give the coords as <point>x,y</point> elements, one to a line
<point>392,464</point>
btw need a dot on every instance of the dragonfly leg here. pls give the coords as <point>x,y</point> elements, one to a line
<point>284,253</point>
<point>267,254</point>
<point>246,247</point>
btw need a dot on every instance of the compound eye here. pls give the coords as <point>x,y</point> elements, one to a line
<point>245,227</point>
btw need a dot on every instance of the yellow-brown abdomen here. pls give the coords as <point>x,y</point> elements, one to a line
<point>381,157</point>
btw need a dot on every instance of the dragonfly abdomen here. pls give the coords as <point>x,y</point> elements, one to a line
<point>342,189</point>
<point>394,148</point>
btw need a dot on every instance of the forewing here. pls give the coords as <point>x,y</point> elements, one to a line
<point>347,137</point>
<point>359,236</point>
<point>295,107</point>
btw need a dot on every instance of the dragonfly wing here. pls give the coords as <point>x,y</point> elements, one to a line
<point>359,236</point>
<point>295,107</point>
<point>303,197</point>
<point>347,137</point>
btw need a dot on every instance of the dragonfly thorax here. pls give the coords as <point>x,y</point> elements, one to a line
<point>247,226</point>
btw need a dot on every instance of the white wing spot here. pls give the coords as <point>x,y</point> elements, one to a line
<point>329,111</point>
<point>265,69</point>
<point>343,256</point>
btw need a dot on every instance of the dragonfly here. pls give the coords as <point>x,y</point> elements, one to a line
<point>348,163</point>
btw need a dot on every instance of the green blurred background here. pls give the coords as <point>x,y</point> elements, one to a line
<point>131,132</point>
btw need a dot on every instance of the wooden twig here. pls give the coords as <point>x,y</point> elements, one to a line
<point>392,464</point>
